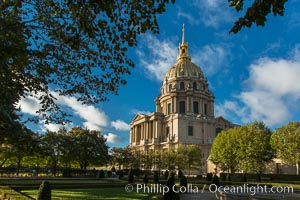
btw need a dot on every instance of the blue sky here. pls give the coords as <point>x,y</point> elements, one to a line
<point>254,74</point>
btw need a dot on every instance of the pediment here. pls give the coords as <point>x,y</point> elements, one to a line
<point>138,117</point>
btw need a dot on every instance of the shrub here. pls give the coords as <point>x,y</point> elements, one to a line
<point>209,177</point>
<point>180,174</point>
<point>101,174</point>
<point>244,178</point>
<point>121,174</point>
<point>166,174</point>
<point>170,195</point>
<point>130,177</point>
<point>44,191</point>
<point>228,178</point>
<point>145,178</point>
<point>113,169</point>
<point>183,181</point>
<point>215,180</point>
<point>258,178</point>
<point>156,177</point>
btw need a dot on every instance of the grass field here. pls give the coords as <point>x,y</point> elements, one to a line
<point>93,193</point>
<point>107,189</point>
<point>57,181</point>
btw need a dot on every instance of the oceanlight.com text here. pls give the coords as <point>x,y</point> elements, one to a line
<point>247,189</point>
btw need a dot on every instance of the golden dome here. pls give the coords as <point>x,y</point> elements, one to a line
<point>184,67</point>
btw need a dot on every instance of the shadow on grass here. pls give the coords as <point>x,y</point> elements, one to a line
<point>94,193</point>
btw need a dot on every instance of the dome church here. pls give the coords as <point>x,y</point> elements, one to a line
<point>184,113</point>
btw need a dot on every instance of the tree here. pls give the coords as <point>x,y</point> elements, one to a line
<point>168,160</point>
<point>189,157</point>
<point>245,148</point>
<point>88,147</point>
<point>286,142</point>
<point>25,144</point>
<point>121,156</point>
<point>256,12</point>
<point>254,149</point>
<point>51,48</point>
<point>52,144</point>
<point>224,150</point>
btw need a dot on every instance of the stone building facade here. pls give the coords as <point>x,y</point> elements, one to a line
<point>184,112</point>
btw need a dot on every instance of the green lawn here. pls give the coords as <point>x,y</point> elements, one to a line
<point>56,181</point>
<point>93,193</point>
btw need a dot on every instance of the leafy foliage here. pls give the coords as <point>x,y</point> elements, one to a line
<point>245,148</point>
<point>86,147</point>
<point>254,147</point>
<point>189,157</point>
<point>257,12</point>
<point>224,150</point>
<point>286,142</point>
<point>122,157</point>
<point>71,48</point>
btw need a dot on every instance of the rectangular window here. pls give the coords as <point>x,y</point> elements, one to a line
<point>205,109</point>
<point>169,108</point>
<point>181,107</point>
<point>190,131</point>
<point>167,131</point>
<point>196,107</point>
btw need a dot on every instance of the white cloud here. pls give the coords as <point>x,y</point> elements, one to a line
<point>120,125</point>
<point>54,127</point>
<point>29,105</point>
<point>229,107</point>
<point>190,17</point>
<point>136,111</point>
<point>113,138</point>
<point>157,56</point>
<point>271,92</point>
<point>212,13</point>
<point>95,118</point>
<point>211,58</point>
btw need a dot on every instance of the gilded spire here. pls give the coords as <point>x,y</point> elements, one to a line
<point>183,48</point>
<point>183,37</point>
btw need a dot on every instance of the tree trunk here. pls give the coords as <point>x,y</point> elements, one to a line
<point>18,165</point>
<point>298,168</point>
<point>4,161</point>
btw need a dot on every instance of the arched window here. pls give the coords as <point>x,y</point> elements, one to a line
<point>181,107</point>
<point>181,85</point>
<point>170,87</point>
<point>195,86</point>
